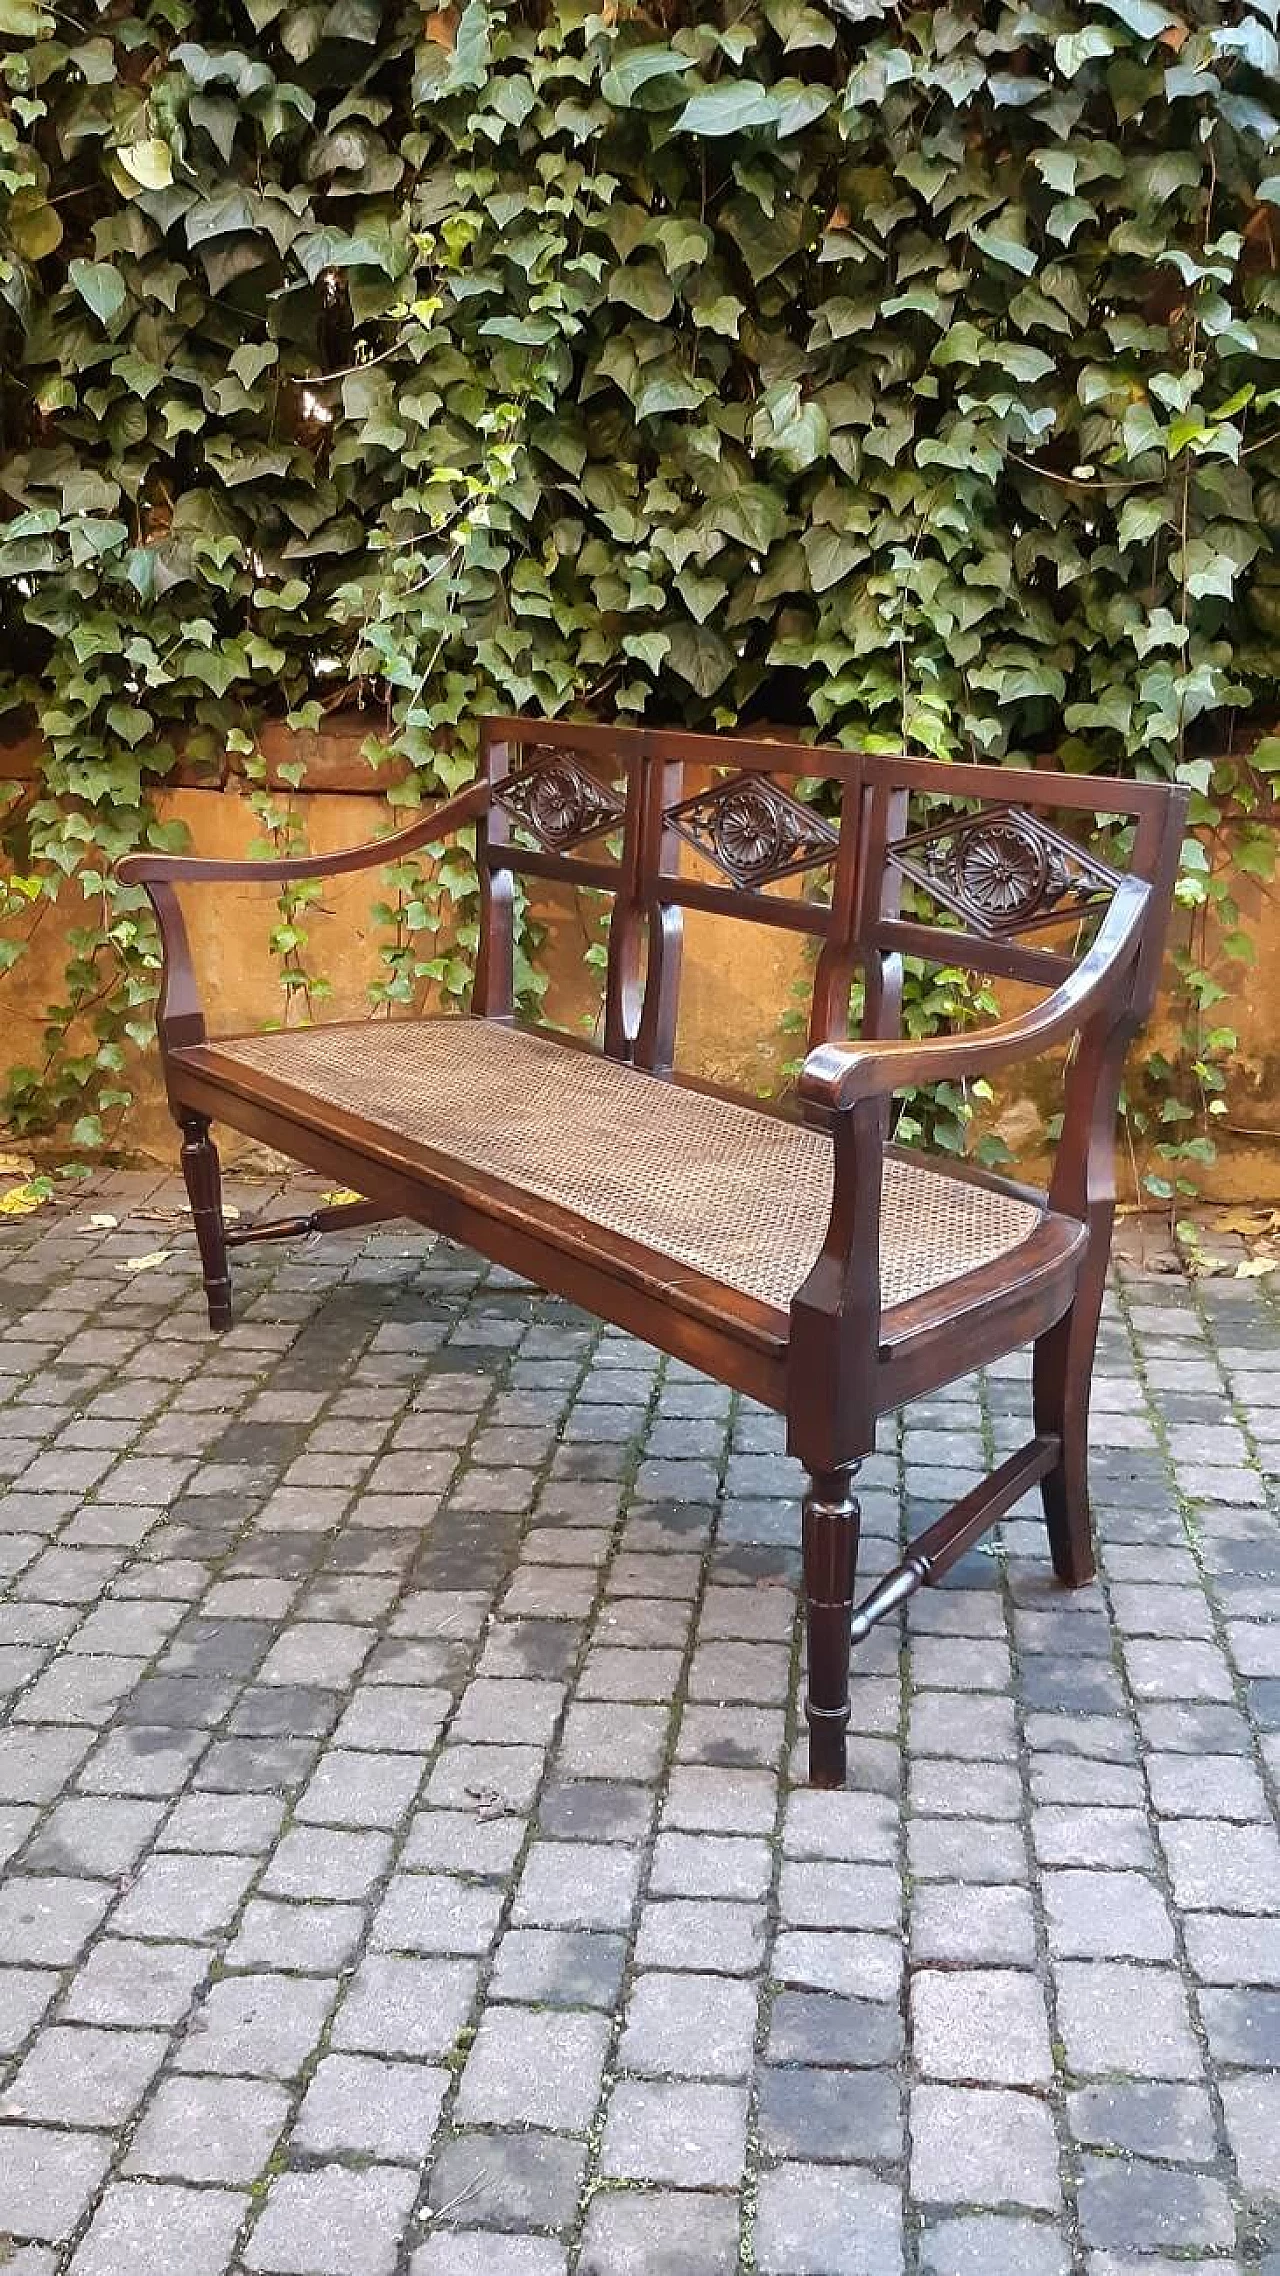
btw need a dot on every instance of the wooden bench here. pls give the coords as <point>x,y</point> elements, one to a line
<point>804,1260</point>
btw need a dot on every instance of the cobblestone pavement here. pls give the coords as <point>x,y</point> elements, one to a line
<point>406,1869</point>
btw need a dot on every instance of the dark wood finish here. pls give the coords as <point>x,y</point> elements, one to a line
<point>830,1522</point>
<point>332,1217</point>
<point>934,1551</point>
<point>203,1174</point>
<point>1005,857</point>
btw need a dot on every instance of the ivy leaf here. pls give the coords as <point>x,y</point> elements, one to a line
<point>1145,17</point>
<point>23,20</point>
<point>1074,49</point>
<point>624,79</point>
<point>729,108</point>
<point>149,163</point>
<point>700,657</point>
<point>100,287</point>
<point>752,515</point>
<point>1207,571</point>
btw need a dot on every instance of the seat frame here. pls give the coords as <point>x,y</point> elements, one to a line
<point>995,864</point>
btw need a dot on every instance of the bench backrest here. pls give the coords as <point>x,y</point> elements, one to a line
<point>996,863</point>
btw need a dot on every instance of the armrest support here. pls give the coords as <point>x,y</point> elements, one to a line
<point>180,1016</point>
<point>838,1076</point>
<point>188,869</point>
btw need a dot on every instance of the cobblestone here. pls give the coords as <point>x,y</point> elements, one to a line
<point>405,1861</point>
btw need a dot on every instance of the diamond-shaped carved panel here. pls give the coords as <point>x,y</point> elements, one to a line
<point>1004,872</point>
<point>753,831</point>
<point>559,803</point>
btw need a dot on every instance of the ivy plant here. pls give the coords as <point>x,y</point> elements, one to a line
<point>890,374</point>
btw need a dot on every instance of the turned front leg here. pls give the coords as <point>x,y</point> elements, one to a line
<point>831,1524</point>
<point>202,1171</point>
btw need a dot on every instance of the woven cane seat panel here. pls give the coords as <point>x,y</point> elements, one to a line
<point>740,1196</point>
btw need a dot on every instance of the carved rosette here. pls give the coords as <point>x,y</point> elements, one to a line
<point>752,830</point>
<point>1004,872</point>
<point>559,803</point>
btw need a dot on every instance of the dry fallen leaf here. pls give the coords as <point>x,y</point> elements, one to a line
<point>100,1222</point>
<point>16,1165</point>
<point>1253,1268</point>
<point>147,1263</point>
<point>341,1198</point>
<point>21,1201</point>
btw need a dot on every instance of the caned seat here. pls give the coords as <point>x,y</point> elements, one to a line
<point>705,1183</point>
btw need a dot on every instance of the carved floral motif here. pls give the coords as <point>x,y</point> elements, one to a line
<point>1004,871</point>
<point>753,830</point>
<point>559,802</point>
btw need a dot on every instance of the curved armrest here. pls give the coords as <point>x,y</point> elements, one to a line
<point>188,869</point>
<point>839,1075</point>
<point>180,1015</point>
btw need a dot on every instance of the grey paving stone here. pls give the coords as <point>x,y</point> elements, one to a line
<point>689,2026</point>
<point>333,2222</point>
<point>702,1935</point>
<point>47,2179</point>
<point>405,2007</point>
<point>259,2026</point>
<point>1224,1949</point>
<point>659,2233</point>
<point>608,1740</point>
<point>862,1826</point>
<point>433,1912</point>
<point>1126,2203</point>
<point>77,2075</point>
<point>25,1993</point>
<point>827,2221</point>
<point>213,1824</point>
<point>688,2136</point>
<point>36,1762</point>
<point>577,1885</point>
<point>973,1849</point>
<point>844,2116</point>
<point>209,2129</point>
<point>706,1865</point>
<point>484,2254</point>
<point>1106,1915</point>
<point>596,1810</point>
<point>1222,1868</point>
<point>1251,2104</point>
<point>134,1984</point>
<point>534,2069</point>
<point>368,2106</point>
<point>981,2145</point>
<point>304,1938</point>
<point>1119,2017</point>
<point>522,2180</point>
<point>1243,2027</point>
<point>559,1967</point>
<point>979,2243</point>
<point>336,1865</point>
<point>1174,2122</point>
<point>813,1893</point>
<point>1205,1786</point>
<point>865,1967</point>
<point>450,1841</point>
<point>966,1925</point>
<point>985,2025</point>
<point>46,1920</point>
<point>140,2224</point>
<point>188,1897</point>
<point>820,2028</point>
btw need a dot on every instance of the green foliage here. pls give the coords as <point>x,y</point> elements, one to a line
<point>892,374</point>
